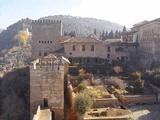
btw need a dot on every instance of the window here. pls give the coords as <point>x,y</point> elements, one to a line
<point>92,47</point>
<point>45,53</point>
<point>50,41</point>
<point>47,41</point>
<point>83,48</point>
<point>40,54</point>
<point>73,48</point>
<point>122,58</point>
<point>109,49</point>
<point>108,56</point>
<point>39,41</point>
<point>42,41</point>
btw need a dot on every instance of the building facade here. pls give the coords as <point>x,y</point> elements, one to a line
<point>148,34</point>
<point>90,50</point>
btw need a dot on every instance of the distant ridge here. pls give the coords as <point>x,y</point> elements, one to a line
<point>81,26</point>
<point>84,26</point>
<point>1,30</point>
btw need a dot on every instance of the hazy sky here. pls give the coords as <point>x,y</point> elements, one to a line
<point>124,12</point>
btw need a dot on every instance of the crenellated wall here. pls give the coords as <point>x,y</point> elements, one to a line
<point>47,85</point>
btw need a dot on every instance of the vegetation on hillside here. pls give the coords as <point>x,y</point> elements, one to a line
<point>14,94</point>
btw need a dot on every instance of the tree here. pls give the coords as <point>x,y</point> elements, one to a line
<point>136,76</point>
<point>138,86</point>
<point>111,34</point>
<point>116,34</point>
<point>23,37</point>
<point>72,34</point>
<point>124,29</point>
<point>106,35</point>
<point>82,103</point>
<point>117,69</point>
<point>95,31</point>
<point>81,87</point>
<point>103,35</point>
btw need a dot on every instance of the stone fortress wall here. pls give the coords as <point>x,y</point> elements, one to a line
<point>47,85</point>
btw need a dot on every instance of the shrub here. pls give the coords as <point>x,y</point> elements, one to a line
<point>138,86</point>
<point>136,76</point>
<point>116,82</point>
<point>80,78</point>
<point>117,69</point>
<point>82,72</point>
<point>82,103</point>
<point>81,87</point>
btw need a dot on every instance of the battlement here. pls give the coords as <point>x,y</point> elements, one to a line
<point>46,21</point>
<point>47,68</point>
<point>50,63</point>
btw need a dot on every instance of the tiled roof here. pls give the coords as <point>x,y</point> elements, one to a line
<point>90,38</point>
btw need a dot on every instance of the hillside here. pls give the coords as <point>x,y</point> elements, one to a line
<point>1,30</point>
<point>7,37</point>
<point>14,95</point>
<point>84,26</point>
<point>81,26</point>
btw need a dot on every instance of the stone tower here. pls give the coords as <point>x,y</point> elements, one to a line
<point>45,37</point>
<point>47,85</point>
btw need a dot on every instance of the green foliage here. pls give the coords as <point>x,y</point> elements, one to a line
<point>153,76</point>
<point>136,76</point>
<point>138,85</point>
<point>81,87</point>
<point>82,103</point>
<point>80,78</point>
<point>73,70</point>
<point>124,29</point>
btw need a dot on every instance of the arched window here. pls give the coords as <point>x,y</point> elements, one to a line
<point>83,48</point>
<point>92,47</point>
<point>109,49</point>
<point>73,48</point>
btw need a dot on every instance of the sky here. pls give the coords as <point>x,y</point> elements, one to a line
<point>123,12</point>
